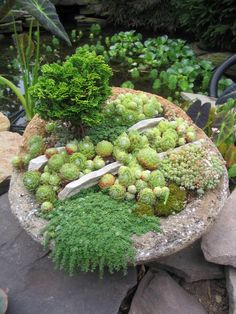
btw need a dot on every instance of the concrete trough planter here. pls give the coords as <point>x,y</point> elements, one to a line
<point>177,231</point>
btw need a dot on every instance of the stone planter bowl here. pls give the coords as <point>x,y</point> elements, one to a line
<point>178,231</point>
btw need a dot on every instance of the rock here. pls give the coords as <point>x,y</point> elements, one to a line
<point>34,283</point>
<point>35,127</point>
<point>9,27</point>
<point>91,9</point>
<point>78,2</point>
<point>190,264</point>
<point>82,20</point>
<point>9,147</point>
<point>4,123</point>
<point>3,302</point>
<point>202,98</point>
<point>159,293</point>
<point>18,14</point>
<point>219,245</point>
<point>231,288</point>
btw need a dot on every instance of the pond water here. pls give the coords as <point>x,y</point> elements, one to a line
<point>9,104</point>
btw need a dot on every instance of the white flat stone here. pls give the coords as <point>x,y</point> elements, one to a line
<point>40,161</point>
<point>145,124</point>
<point>88,180</point>
<point>37,163</point>
<point>202,98</point>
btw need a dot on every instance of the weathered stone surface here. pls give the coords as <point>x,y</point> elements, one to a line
<point>219,245</point>
<point>82,20</point>
<point>190,264</point>
<point>4,123</point>
<point>91,9</point>
<point>9,27</point>
<point>79,2</point>
<point>3,301</point>
<point>35,287</point>
<point>159,293</point>
<point>231,288</point>
<point>18,14</point>
<point>9,147</point>
<point>202,98</point>
<point>36,126</point>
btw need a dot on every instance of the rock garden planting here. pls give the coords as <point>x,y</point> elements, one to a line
<point>123,182</point>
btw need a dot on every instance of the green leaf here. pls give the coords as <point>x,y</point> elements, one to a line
<point>156,84</point>
<point>44,11</point>
<point>224,122</point>
<point>232,171</point>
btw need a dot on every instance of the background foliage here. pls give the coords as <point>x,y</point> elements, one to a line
<point>212,22</point>
<point>152,14</point>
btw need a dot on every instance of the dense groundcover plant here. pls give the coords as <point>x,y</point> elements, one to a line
<point>93,231</point>
<point>74,90</point>
<point>212,22</point>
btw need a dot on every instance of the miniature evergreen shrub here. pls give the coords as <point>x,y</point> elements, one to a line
<point>92,230</point>
<point>74,90</point>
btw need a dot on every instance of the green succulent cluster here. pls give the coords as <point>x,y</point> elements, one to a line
<point>170,134</point>
<point>129,108</point>
<point>35,148</point>
<point>193,168</point>
<point>92,231</point>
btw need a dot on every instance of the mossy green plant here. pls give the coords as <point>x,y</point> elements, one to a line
<point>92,230</point>
<point>175,203</point>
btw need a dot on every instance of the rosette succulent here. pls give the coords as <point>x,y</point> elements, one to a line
<point>148,158</point>
<point>104,149</point>
<point>69,172</point>
<point>31,180</point>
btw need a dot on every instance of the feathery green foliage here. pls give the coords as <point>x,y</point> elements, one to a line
<point>93,231</point>
<point>73,91</point>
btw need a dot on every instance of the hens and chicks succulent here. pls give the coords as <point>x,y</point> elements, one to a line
<point>157,183</point>
<point>130,108</point>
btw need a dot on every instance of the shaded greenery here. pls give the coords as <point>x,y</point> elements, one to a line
<point>149,14</point>
<point>108,131</point>
<point>212,22</point>
<point>73,91</point>
<point>93,231</point>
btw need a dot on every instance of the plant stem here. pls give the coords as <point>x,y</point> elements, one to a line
<point>18,93</point>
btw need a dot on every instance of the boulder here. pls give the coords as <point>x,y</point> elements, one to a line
<point>231,288</point>
<point>9,147</point>
<point>4,123</point>
<point>190,264</point>
<point>158,293</point>
<point>219,245</point>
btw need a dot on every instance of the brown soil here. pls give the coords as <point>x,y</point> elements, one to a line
<point>212,294</point>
